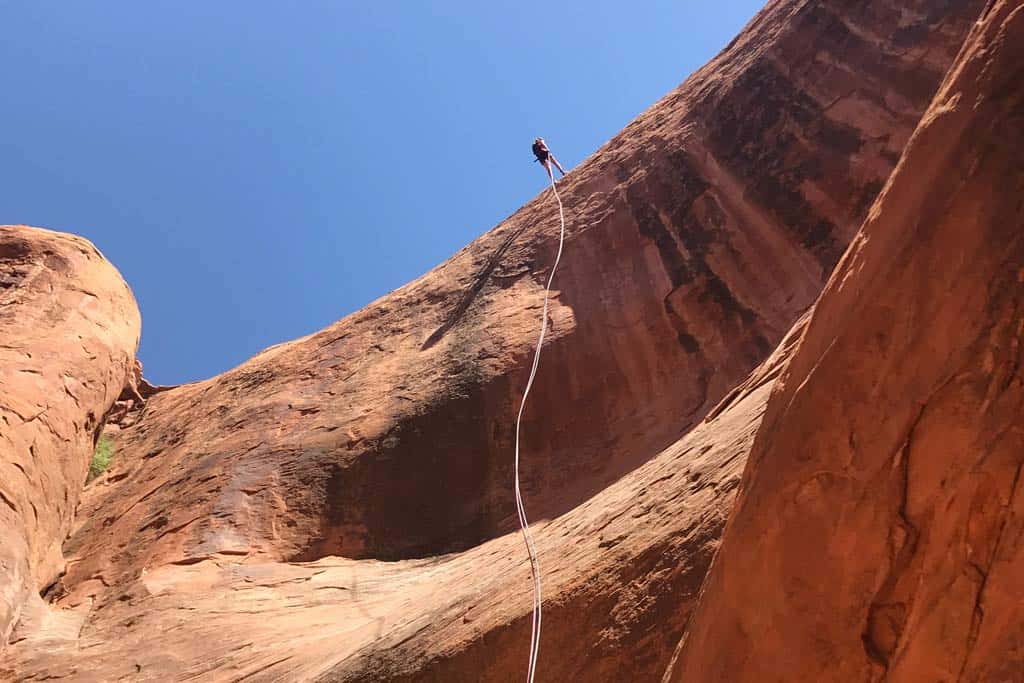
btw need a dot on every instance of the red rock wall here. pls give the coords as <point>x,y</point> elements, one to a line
<point>878,532</point>
<point>69,328</point>
<point>697,236</point>
<point>388,435</point>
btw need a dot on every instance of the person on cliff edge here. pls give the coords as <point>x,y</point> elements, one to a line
<point>546,158</point>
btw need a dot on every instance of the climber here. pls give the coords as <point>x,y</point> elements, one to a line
<point>544,156</point>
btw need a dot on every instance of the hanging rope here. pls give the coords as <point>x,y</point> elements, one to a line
<point>523,523</point>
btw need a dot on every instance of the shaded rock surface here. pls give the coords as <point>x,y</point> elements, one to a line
<point>69,328</point>
<point>617,568</point>
<point>878,534</point>
<point>340,507</point>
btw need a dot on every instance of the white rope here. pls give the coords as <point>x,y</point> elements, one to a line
<point>523,523</point>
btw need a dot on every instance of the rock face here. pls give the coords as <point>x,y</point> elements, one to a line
<point>340,507</point>
<point>388,434</point>
<point>69,328</point>
<point>617,571</point>
<point>878,532</point>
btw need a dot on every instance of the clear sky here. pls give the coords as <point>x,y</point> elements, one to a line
<point>257,170</point>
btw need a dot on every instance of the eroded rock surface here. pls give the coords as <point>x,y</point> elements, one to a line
<point>69,328</point>
<point>341,507</point>
<point>366,441</point>
<point>878,535</point>
<point>617,568</point>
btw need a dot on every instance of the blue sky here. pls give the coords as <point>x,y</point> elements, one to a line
<point>259,170</point>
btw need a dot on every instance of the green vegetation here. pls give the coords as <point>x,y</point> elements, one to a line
<point>101,458</point>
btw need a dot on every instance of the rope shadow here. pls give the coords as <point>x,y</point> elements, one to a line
<point>467,298</point>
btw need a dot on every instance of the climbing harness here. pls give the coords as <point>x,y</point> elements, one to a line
<point>523,523</point>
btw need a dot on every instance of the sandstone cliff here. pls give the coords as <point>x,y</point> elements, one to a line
<point>878,532</point>
<point>340,506</point>
<point>69,328</point>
